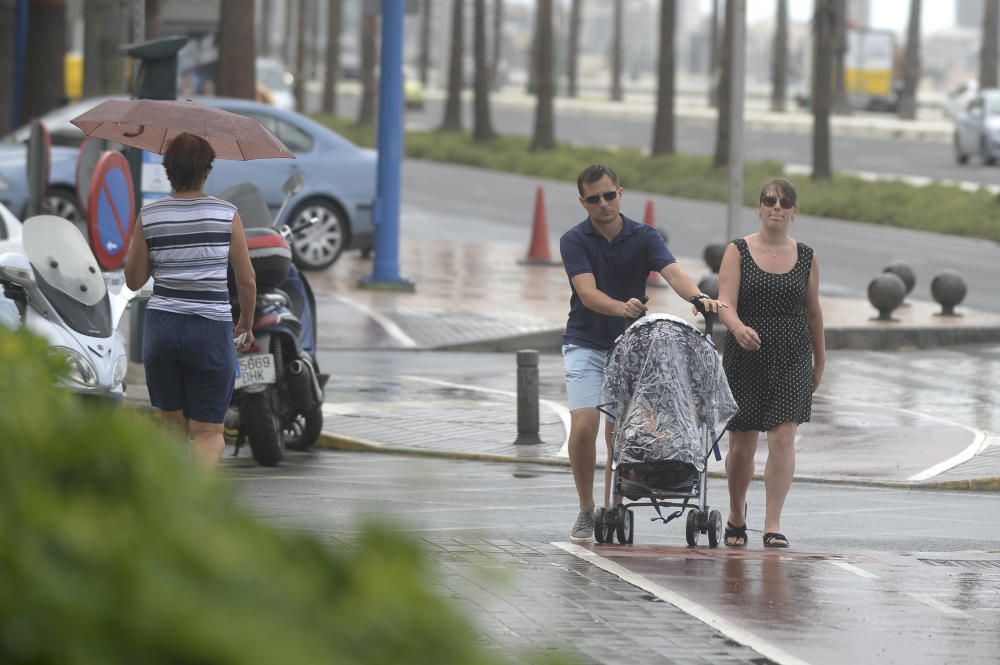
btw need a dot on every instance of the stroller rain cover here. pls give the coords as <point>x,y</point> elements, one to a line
<point>663,380</point>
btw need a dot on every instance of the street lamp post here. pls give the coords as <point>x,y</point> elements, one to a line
<point>385,271</point>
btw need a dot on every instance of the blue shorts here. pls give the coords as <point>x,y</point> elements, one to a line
<point>584,376</point>
<point>190,364</point>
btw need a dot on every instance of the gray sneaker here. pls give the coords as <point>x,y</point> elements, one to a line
<point>583,530</point>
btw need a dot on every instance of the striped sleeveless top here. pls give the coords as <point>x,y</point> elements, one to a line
<point>188,243</point>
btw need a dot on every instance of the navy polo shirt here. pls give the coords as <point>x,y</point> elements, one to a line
<point>620,268</point>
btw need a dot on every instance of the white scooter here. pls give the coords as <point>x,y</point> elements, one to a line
<point>62,296</point>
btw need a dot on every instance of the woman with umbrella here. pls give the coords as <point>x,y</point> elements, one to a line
<point>185,243</point>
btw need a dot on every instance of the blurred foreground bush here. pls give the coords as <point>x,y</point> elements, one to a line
<point>939,208</point>
<point>115,549</point>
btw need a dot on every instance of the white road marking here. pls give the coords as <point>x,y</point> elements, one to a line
<point>703,614</point>
<point>930,601</point>
<point>387,324</point>
<point>559,409</point>
<point>860,572</point>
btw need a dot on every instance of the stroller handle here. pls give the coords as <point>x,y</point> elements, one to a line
<point>709,319</point>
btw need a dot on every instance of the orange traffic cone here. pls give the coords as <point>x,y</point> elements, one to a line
<point>655,278</point>
<point>538,252</point>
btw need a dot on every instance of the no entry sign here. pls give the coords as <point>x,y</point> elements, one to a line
<point>110,210</point>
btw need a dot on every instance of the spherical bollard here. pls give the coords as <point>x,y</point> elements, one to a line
<point>886,292</point>
<point>904,272</point>
<point>713,256</point>
<point>948,289</point>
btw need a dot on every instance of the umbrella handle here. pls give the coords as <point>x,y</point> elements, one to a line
<point>130,135</point>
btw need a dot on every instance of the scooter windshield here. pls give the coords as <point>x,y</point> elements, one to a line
<point>67,274</point>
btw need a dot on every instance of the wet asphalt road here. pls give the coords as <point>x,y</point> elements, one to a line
<point>874,575</point>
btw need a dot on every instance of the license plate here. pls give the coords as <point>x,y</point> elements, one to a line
<point>254,369</point>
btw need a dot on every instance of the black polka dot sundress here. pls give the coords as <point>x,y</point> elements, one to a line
<point>772,385</point>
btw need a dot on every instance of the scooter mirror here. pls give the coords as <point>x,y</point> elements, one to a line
<point>15,269</point>
<point>293,185</point>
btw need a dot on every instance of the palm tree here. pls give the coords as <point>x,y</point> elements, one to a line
<point>237,73</point>
<point>453,104</point>
<point>154,19</point>
<point>369,92</point>
<point>616,53</point>
<point>573,46</point>
<point>988,54</point>
<point>840,104</point>
<point>823,26</point>
<point>663,128</point>
<point>497,42</point>
<point>424,57</point>
<point>482,124</point>
<point>103,66</point>
<point>544,136</point>
<point>721,157</point>
<point>299,87</point>
<point>911,65</point>
<point>714,57</point>
<point>332,56</point>
<point>779,58</point>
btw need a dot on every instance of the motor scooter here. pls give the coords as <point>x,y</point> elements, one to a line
<point>278,395</point>
<point>61,295</point>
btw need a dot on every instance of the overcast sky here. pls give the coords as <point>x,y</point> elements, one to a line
<point>891,14</point>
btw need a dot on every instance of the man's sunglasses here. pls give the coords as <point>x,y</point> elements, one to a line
<point>769,201</point>
<point>596,198</point>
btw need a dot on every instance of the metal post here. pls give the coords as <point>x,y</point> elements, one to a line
<point>21,46</point>
<point>385,272</point>
<point>527,397</point>
<point>736,89</point>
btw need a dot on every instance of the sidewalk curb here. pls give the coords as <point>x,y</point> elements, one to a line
<point>330,441</point>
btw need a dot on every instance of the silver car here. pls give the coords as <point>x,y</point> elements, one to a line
<point>977,128</point>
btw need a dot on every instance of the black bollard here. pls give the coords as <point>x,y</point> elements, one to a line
<point>527,397</point>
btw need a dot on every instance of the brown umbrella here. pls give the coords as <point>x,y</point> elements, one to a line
<point>151,124</point>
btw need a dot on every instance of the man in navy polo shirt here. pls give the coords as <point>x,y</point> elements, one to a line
<point>607,258</point>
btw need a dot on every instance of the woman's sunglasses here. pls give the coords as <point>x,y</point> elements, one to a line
<point>769,201</point>
<point>596,198</point>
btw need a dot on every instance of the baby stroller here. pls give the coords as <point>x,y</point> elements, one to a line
<point>666,393</point>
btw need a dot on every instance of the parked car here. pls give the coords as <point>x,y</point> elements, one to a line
<point>339,176</point>
<point>977,128</point>
<point>959,98</point>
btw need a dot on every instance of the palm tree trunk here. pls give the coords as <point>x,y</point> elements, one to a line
<point>424,54</point>
<point>237,74</point>
<point>154,19</point>
<point>573,46</point>
<point>911,66</point>
<point>821,89</point>
<point>779,58</point>
<point>616,53</point>
<point>497,44</point>
<point>988,54</point>
<point>8,26</point>
<point>483,125</point>
<point>663,129</point>
<point>721,157</point>
<point>369,39</point>
<point>544,136</point>
<point>103,72</point>
<point>714,57</point>
<point>290,23</point>
<point>453,104</point>
<point>300,57</point>
<point>332,56</point>
<point>840,104</point>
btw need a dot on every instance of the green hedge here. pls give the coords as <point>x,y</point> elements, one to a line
<point>115,549</point>
<point>940,208</point>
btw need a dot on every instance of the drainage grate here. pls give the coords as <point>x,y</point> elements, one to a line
<point>962,563</point>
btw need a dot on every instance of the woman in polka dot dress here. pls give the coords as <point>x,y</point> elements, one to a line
<point>774,354</point>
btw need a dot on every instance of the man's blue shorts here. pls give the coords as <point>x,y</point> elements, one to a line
<point>584,376</point>
<point>190,364</point>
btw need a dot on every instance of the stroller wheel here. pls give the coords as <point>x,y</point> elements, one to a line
<point>693,530</point>
<point>714,528</point>
<point>624,525</point>
<point>602,530</point>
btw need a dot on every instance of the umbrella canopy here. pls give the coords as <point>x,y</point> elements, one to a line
<point>151,124</point>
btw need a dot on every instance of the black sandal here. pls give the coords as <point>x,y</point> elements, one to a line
<point>735,532</point>
<point>775,539</point>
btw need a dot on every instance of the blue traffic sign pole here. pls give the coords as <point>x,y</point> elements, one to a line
<point>385,272</point>
<point>20,48</point>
